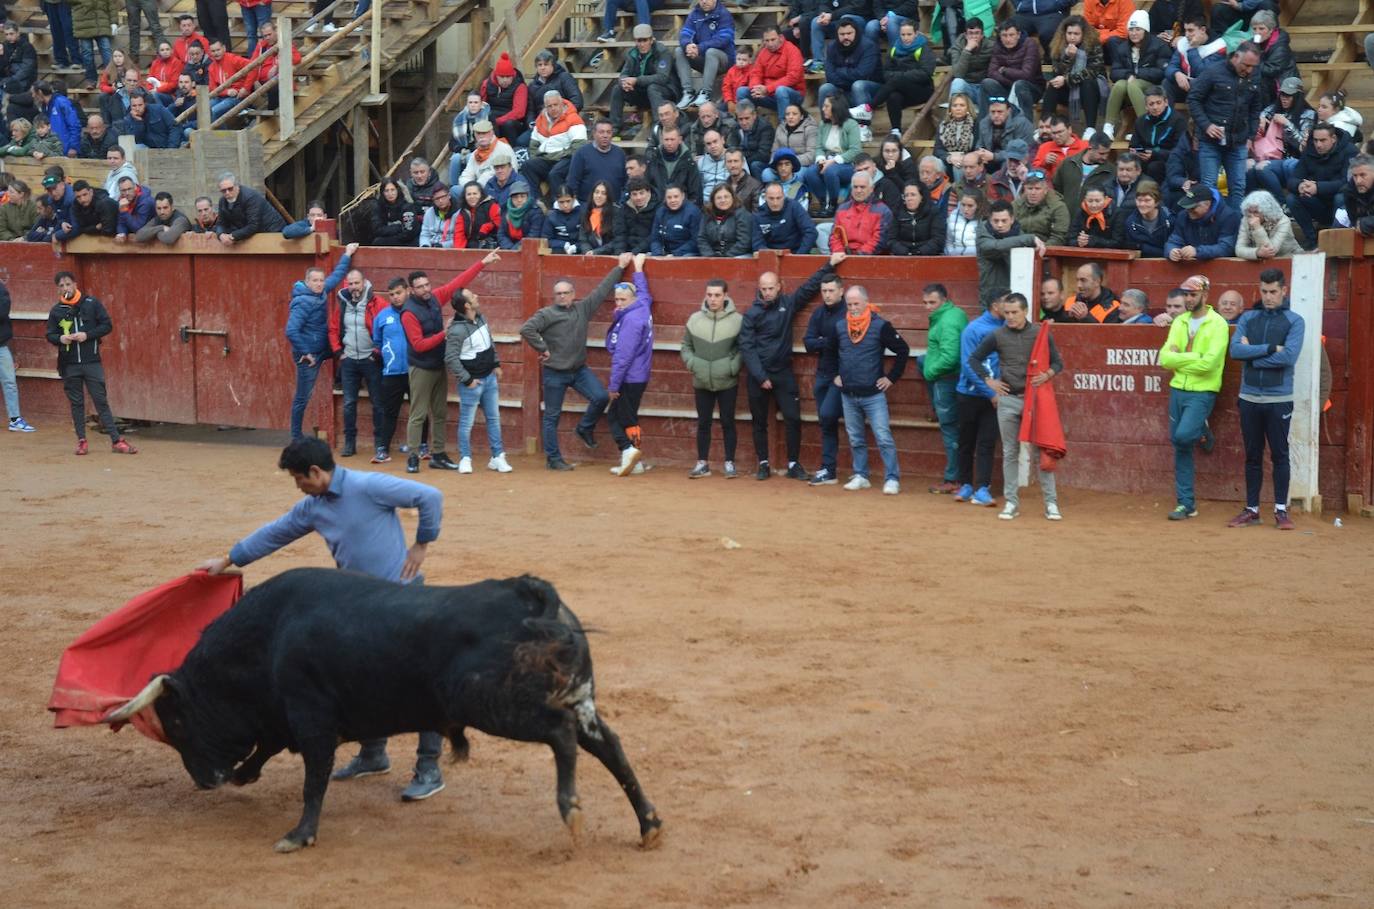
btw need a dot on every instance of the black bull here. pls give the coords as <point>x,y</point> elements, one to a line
<point>314,657</point>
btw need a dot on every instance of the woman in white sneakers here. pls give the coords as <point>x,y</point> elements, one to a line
<point>470,355</point>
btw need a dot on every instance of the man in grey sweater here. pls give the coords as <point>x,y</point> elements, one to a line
<point>559,333</point>
<point>1013,343</point>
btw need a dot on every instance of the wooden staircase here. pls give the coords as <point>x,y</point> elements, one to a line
<point>333,79</point>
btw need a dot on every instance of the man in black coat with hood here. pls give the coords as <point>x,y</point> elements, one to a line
<point>244,212</point>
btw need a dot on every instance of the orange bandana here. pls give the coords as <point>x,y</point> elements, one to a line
<point>858,325</point>
<point>1100,217</point>
<point>594,220</point>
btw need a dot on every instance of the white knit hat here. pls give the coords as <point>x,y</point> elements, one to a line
<point>1139,19</point>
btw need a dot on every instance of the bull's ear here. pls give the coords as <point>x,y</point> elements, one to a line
<point>145,698</point>
<point>542,596</point>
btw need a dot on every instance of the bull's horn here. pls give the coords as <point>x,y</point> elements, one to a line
<point>151,692</point>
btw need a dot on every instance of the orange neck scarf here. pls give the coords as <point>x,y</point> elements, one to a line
<point>858,325</point>
<point>1100,217</point>
<point>594,220</point>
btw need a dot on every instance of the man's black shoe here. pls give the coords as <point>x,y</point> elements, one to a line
<point>586,436</point>
<point>797,472</point>
<point>349,450</point>
<point>441,461</point>
<point>413,463</point>
<point>558,464</point>
<point>764,471</point>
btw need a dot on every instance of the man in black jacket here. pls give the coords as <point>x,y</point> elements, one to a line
<point>1355,204</point>
<point>672,164</point>
<point>1225,104</point>
<point>1317,179</point>
<point>96,139</point>
<point>244,212</point>
<point>18,71</point>
<point>75,326</point>
<point>751,135</point>
<point>93,212</point>
<point>765,344</point>
<point>634,220</point>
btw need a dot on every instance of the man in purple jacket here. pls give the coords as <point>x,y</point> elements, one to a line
<point>630,341</point>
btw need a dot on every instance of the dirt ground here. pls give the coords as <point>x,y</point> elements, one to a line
<point>872,701</point>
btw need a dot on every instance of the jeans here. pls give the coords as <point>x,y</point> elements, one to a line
<point>825,187</point>
<point>784,393</point>
<point>79,378</point>
<point>707,402</point>
<point>870,409</point>
<point>1261,423</point>
<point>623,415</point>
<point>1311,214</point>
<point>1212,158</point>
<point>977,439</point>
<point>829,407</point>
<point>305,385</point>
<point>820,32</point>
<point>486,394</point>
<point>254,17</point>
<point>641,9</point>
<point>556,384</point>
<point>66,50</point>
<point>782,96</point>
<point>1273,176</point>
<point>1021,94</point>
<point>222,106</point>
<point>1042,26</point>
<point>88,49</point>
<point>975,92</point>
<point>1089,97</point>
<point>942,398</point>
<point>861,92</point>
<point>8,383</point>
<point>1009,409</point>
<point>355,374</point>
<point>1188,413</point>
<point>894,25</point>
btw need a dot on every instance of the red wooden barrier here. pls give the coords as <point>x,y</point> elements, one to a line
<point>1114,400</point>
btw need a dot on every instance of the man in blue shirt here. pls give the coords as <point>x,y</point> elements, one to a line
<point>355,512</point>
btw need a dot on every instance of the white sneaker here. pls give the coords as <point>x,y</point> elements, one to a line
<point>1052,512</point>
<point>857,482</point>
<point>861,112</point>
<point>330,28</point>
<point>865,133</point>
<point>313,27</point>
<point>639,469</point>
<point>1008,512</point>
<point>702,97</point>
<point>685,101</point>
<point>891,488</point>
<point>465,465</point>
<point>1110,130</point>
<point>1089,133</point>
<point>499,464</point>
<point>628,459</point>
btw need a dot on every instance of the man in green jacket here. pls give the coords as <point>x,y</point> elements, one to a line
<point>1195,352</point>
<point>1040,211</point>
<point>710,348</point>
<point>940,365</point>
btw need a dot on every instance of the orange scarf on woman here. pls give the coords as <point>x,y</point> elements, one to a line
<point>594,221</point>
<point>858,325</point>
<point>1099,216</point>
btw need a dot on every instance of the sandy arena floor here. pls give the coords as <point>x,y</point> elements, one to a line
<point>871,702</point>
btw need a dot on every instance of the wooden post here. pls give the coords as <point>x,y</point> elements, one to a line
<point>286,81</point>
<point>359,126</point>
<point>203,120</point>
<point>431,76</point>
<point>375,51</point>
<point>388,130</point>
<point>298,187</point>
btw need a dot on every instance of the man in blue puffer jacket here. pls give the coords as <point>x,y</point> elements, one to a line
<point>676,226</point>
<point>706,43</point>
<point>978,431</point>
<point>307,328</point>
<point>1267,341</point>
<point>783,223</point>
<point>630,342</point>
<point>1207,230</point>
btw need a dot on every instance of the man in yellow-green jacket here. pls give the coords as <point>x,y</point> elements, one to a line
<point>1196,354</point>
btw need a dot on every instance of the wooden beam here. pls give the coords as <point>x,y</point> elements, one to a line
<point>286,82</point>
<point>360,143</point>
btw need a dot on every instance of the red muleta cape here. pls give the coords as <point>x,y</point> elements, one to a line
<point>118,655</point>
<point>1040,424</point>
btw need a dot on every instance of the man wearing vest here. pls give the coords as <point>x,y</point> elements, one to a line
<point>1195,352</point>
<point>858,343</point>
<point>1093,300</point>
<point>422,317</point>
<point>1268,341</point>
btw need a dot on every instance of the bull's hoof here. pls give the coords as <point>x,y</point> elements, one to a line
<point>574,821</point>
<point>652,834</point>
<point>289,843</point>
<point>243,779</point>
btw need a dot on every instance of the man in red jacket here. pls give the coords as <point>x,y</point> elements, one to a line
<point>1060,147</point>
<point>223,65</point>
<point>268,70</point>
<point>422,317</point>
<point>863,225</point>
<point>777,78</point>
